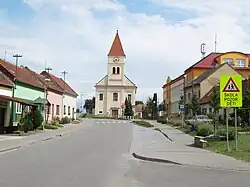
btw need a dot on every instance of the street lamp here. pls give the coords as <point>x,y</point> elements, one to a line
<point>45,100</point>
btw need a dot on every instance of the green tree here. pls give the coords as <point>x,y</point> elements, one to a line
<point>78,110</point>
<point>128,111</point>
<point>195,105</point>
<point>155,108</point>
<point>89,105</point>
<point>161,106</point>
<point>37,118</point>
<point>149,105</point>
<point>215,104</point>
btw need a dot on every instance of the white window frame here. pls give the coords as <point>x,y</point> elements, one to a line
<point>239,63</point>
<point>228,60</point>
<point>18,108</point>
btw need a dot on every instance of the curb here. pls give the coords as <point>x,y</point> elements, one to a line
<point>154,159</point>
<point>164,134</point>
<point>10,149</point>
<point>159,160</point>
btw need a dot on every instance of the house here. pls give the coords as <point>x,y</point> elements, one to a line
<point>167,96</point>
<point>68,99</point>
<point>203,85</point>
<point>54,96</point>
<point>139,110</point>
<point>115,87</point>
<point>6,86</point>
<point>27,90</point>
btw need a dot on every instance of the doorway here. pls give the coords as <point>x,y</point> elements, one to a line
<point>2,113</point>
<point>114,113</point>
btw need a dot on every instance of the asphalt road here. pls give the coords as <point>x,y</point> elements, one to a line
<point>98,156</point>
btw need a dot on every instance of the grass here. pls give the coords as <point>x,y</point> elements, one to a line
<point>143,123</point>
<point>243,152</point>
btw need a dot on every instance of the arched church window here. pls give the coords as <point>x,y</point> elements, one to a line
<point>118,70</point>
<point>113,70</point>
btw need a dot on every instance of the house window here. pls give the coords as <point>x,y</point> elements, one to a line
<point>73,111</point>
<point>204,111</point>
<point>113,70</point>
<point>228,60</point>
<point>64,109</point>
<point>189,96</point>
<point>48,112</point>
<point>100,112</point>
<point>115,96</point>
<point>210,110</point>
<point>240,63</point>
<point>18,108</point>
<point>129,97</point>
<point>53,110</point>
<point>57,109</point>
<point>101,97</point>
<point>68,110</point>
<point>118,70</point>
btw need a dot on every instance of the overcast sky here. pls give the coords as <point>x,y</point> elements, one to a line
<point>160,37</point>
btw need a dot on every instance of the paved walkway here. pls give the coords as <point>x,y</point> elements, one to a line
<point>15,142</point>
<point>153,145</point>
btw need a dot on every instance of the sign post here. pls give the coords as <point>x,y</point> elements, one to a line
<point>231,97</point>
<point>182,112</point>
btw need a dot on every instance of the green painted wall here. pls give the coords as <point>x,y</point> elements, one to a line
<point>28,93</point>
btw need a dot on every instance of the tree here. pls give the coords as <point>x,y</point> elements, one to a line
<point>78,110</point>
<point>138,102</point>
<point>161,106</point>
<point>89,105</point>
<point>37,118</point>
<point>149,105</point>
<point>128,108</point>
<point>215,104</point>
<point>155,109</point>
<point>195,105</point>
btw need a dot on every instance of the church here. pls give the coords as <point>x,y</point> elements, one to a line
<point>115,87</point>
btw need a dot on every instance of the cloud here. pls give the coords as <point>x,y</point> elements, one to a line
<point>76,35</point>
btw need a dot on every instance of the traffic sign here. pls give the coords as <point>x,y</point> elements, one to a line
<point>231,91</point>
<point>181,107</point>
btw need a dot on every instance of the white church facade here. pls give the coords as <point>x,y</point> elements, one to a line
<point>115,87</point>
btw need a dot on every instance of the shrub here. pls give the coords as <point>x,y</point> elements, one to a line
<point>75,122</point>
<point>231,134</point>
<point>48,126</point>
<point>37,119</point>
<point>27,124</point>
<point>162,120</point>
<point>177,124</point>
<point>65,120</point>
<point>204,130</point>
<point>143,123</point>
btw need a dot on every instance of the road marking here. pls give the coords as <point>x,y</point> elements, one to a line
<point>98,122</point>
<point>103,122</point>
<point>119,122</point>
<point>108,122</point>
<point>124,122</point>
<point>114,122</point>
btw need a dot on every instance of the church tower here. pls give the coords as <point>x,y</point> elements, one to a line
<point>116,62</point>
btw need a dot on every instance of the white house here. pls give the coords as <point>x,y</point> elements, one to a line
<point>115,87</point>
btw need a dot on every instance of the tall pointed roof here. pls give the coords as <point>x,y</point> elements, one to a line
<point>116,48</point>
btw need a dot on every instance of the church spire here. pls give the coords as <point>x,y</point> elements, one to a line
<point>116,48</point>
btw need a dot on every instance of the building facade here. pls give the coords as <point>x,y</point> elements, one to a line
<point>177,91</point>
<point>115,87</point>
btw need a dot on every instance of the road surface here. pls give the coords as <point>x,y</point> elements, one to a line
<point>98,156</point>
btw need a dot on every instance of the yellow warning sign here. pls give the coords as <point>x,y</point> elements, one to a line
<point>231,91</point>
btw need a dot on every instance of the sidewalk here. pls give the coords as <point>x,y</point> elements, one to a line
<point>8,143</point>
<point>149,144</point>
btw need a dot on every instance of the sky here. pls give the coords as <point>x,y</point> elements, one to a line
<point>160,38</point>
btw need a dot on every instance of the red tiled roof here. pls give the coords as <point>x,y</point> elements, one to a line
<point>206,62</point>
<point>4,81</point>
<point>116,48</point>
<point>63,85</point>
<point>50,84</point>
<point>23,75</point>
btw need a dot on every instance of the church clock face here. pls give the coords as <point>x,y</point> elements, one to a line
<point>116,59</point>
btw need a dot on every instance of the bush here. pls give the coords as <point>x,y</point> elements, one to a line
<point>27,124</point>
<point>65,120</point>
<point>143,123</point>
<point>177,124</point>
<point>231,134</point>
<point>204,130</point>
<point>48,126</point>
<point>75,122</point>
<point>162,121</point>
<point>37,119</point>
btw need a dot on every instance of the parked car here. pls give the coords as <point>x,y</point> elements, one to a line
<point>198,119</point>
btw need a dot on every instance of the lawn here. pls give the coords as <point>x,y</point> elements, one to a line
<point>243,152</point>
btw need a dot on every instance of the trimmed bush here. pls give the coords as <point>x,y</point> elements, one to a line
<point>65,120</point>
<point>48,126</point>
<point>37,119</point>
<point>143,123</point>
<point>27,124</point>
<point>204,130</point>
<point>231,134</point>
<point>162,121</point>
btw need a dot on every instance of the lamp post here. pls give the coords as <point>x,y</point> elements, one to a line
<point>44,101</point>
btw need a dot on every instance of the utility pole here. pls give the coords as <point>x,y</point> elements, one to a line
<point>64,77</point>
<point>17,56</point>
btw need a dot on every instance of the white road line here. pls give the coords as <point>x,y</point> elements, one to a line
<point>114,122</point>
<point>124,122</point>
<point>103,122</point>
<point>119,122</point>
<point>98,122</point>
<point>108,122</point>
